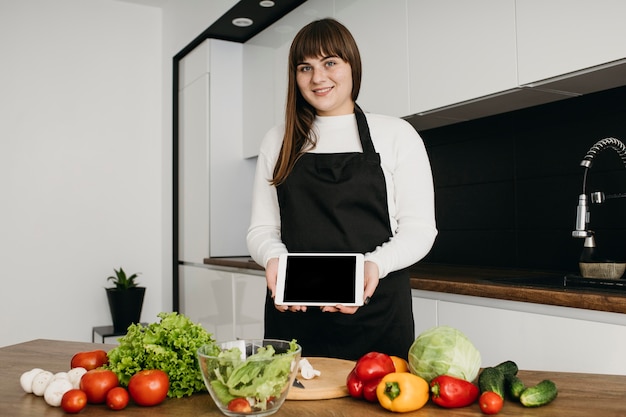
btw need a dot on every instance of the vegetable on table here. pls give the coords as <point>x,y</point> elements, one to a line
<point>401,392</point>
<point>490,402</point>
<point>117,398</point>
<point>444,350</point>
<point>74,401</point>
<point>259,379</point>
<point>169,345</point>
<point>363,380</point>
<point>514,386</point>
<point>400,364</point>
<point>97,383</point>
<point>507,368</point>
<point>491,379</point>
<point>89,360</point>
<point>148,387</point>
<point>541,394</point>
<point>451,392</point>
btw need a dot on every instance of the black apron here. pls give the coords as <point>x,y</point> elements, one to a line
<point>338,203</point>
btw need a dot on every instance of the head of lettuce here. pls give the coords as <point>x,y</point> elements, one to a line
<point>444,350</point>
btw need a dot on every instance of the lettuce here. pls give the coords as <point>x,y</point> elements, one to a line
<point>260,376</point>
<point>444,350</point>
<point>170,346</point>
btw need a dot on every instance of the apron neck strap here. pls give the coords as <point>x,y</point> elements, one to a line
<point>364,131</point>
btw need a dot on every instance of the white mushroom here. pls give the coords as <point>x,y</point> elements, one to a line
<point>26,380</point>
<point>55,390</point>
<point>41,381</point>
<point>60,375</point>
<point>75,374</point>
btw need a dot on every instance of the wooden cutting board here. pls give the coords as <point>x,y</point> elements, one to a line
<point>330,384</point>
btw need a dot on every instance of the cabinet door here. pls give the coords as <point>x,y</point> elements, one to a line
<point>380,30</point>
<point>258,96</point>
<point>560,36</point>
<point>459,50</point>
<point>424,314</point>
<point>249,302</point>
<point>207,298</point>
<point>193,180</point>
<point>538,341</point>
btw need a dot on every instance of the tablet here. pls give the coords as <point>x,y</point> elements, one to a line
<point>320,279</point>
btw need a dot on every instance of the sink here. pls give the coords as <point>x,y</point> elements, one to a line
<point>563,282</point>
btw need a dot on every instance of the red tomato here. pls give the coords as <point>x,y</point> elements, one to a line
<point>89,360</point>
<point>97,383</point>
<point>239,405</point>
<point>149,387</point>
<point>117,398</point>
<point>74,401</point>
<point>490,402</point>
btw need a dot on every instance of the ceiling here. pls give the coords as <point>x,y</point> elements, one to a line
<point>261,13</point>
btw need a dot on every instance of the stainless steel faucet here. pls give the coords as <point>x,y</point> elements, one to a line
<point>582,211</point>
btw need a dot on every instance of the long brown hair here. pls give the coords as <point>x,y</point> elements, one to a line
<point>325,37</point>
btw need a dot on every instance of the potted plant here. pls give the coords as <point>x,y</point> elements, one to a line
<point>125,300</point>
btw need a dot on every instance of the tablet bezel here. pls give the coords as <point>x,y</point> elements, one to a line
<point>282,278</point>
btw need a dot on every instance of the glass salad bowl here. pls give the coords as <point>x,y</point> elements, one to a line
<point>249,377</point>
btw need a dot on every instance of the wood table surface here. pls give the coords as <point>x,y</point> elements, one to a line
<point>584,395</point>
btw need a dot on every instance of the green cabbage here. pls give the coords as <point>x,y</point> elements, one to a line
<point>444,350</point>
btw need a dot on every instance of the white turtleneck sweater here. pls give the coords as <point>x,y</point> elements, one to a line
<point>410,195</point>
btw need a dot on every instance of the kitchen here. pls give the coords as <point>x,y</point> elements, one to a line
<point>68,260</point>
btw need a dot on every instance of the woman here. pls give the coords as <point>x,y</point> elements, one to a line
<point>332,179</point>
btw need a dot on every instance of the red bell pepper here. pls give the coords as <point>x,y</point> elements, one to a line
<point>450,392</point>
<point>367,373</point>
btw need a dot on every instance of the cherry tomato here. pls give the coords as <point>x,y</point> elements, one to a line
<point>74,401</point>
<point>239,405</point>
<point>117,398</point>
<point>149,387</point>
<point>490,402</point>
<point>97,383</point>
<point>89,360</point>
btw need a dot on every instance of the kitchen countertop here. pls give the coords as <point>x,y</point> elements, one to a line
<point>470,280</point>
<point>581,395</point>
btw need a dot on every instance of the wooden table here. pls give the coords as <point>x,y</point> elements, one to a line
<point>583,395</point>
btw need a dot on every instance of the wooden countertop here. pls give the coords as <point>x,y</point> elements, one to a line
<point>470,280</point>
<point>580,395</point>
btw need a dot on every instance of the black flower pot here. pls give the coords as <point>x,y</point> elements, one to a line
<point>125,306</point>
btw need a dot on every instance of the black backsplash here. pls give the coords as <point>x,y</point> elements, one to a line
<point>507,186</point>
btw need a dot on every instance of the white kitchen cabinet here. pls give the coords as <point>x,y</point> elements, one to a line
<point>562,36</point>
<point>215,181</point>
<point>459,50</point>
<point>227,303</point>
<point>536,337</point>
<point>380,30</point>
<point>249,301</point>
<point>207,299</point>
<point>424,314</point>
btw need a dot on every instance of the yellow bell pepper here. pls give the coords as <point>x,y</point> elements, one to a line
<point>402,391</point>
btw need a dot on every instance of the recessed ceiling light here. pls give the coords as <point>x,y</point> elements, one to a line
<point>242,22</point>
<point>267,3</point>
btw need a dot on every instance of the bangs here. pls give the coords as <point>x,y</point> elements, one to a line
<point>320,41</point>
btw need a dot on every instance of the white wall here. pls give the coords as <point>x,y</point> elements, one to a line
<point>85,157</point>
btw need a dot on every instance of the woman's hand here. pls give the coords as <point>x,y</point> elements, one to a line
<point>271,276</point>
<point>370,271</point>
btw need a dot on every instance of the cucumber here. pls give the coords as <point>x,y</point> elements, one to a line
<point>491,379</point>
<point>507,368</point>
<point>541,394</point>
<point>514,386</point>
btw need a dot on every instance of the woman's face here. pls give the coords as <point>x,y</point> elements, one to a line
<point>326,84</point>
